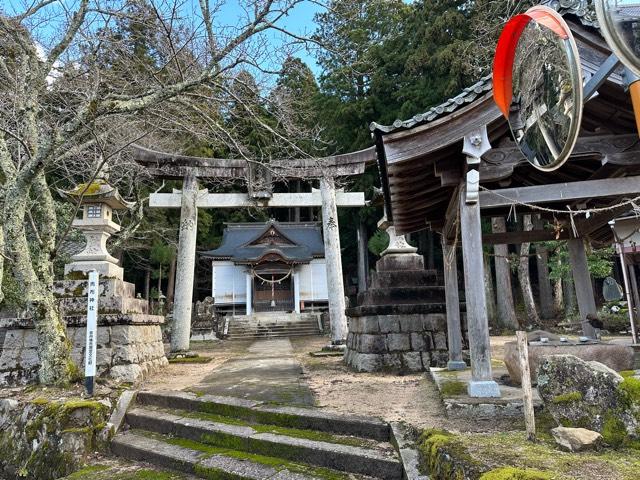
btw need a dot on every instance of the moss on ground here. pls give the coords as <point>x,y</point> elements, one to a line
<point>511,473</point>
<point>567,398</point>
<point>279,430</point>
<point>453,388</point>
<point>511,449</point>
<point>191,360</point>
<point>627,373</point>
<point>103,472</point>
<point>274,462</point>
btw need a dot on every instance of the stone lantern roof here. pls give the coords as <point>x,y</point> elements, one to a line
<point>98,191</point>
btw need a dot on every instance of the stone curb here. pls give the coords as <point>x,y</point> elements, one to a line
<point>403,440</point>
<point>116,420</point>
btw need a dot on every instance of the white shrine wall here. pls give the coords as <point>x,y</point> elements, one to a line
<point>228,283</point>
<point>313,281</point>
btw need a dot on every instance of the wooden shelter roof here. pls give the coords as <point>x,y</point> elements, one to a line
<point>422,164</point>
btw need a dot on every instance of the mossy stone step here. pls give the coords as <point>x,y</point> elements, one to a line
<point>259,412</point>
<point>210,462</point>
<point>335,456</point>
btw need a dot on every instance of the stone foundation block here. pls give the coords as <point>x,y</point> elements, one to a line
<point>371,343</point>
<point>389,324</point>
<point>413,361</point>
<point>421,342</point>
<point>398,342</point>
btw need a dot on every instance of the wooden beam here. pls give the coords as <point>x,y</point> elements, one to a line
<point>561,192</point>
<point>514,238</point>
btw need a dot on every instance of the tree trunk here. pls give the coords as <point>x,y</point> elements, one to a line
<point>159,281</point>
<point>489,291</point>
<point>171,281</point>
<point>2,253</point>
<point>504,292</point>
<point>525,278</point>
<point>542,267</point>
<point>558,296</point>
<point>569,296</point>
<point>37,283</point>
<point>147,284</point>
<point>544,284</point>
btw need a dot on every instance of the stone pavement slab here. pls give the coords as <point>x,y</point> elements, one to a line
<point>268,372</point>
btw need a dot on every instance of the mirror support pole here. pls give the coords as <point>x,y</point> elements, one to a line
<point>482,384</point>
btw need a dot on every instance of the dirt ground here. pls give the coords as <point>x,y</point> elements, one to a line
<point>411,398</point>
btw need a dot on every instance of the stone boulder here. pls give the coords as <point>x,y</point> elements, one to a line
<point>588,395</point>
<point>577,439</point>
<point>616,357</point>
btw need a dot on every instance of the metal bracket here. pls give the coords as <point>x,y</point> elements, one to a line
<point>473,187</point>
<point>597,79</point>
<point>476,144</point>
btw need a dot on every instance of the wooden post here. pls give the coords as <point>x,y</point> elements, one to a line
<point>482,383</point>
<point>454,331</point>
<point>636,297</point>
<point>504,291</point>
<point>527,393</point>
<point>582,284</point>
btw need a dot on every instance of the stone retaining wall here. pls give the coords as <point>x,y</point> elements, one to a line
<point>45,440</point>
<point>126,350</point>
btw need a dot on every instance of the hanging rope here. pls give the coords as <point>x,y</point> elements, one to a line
<point>633,203</point>
<point>266,280</point>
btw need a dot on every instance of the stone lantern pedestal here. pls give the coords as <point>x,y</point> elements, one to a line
<point>400,321</point>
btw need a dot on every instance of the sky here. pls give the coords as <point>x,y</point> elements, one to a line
<point>299,21</point>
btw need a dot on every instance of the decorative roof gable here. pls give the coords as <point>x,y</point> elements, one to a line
<point>271,236</point>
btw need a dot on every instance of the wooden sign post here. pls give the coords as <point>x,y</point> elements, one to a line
<point>527,393</point>
<point>92,331</point>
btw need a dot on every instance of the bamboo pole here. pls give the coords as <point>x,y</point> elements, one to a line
<point>527,393</point>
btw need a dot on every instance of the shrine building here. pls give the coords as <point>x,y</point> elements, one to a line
<point>269,267</point>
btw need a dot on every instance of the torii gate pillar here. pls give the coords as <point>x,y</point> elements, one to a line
<point>185,267</point>
<point>335,283</point>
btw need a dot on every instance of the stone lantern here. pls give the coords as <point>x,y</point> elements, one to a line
<point>98,200</point>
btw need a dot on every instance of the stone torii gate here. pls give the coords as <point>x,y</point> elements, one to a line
<point>259,179</point>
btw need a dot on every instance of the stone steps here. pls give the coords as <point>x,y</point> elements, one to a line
<point>247,330</point>
<point>210,435</point>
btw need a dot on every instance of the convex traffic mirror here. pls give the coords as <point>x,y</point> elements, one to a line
<point>620,25</point>
<point>537,84</point>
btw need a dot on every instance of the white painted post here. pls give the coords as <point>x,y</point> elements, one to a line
<point>335,285</point>
<point>249,293</point>
<point>296,291</point>
<point>213,281</point>
<point>527,393</point>
<point>92,331</point>
<point>181,330</point>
